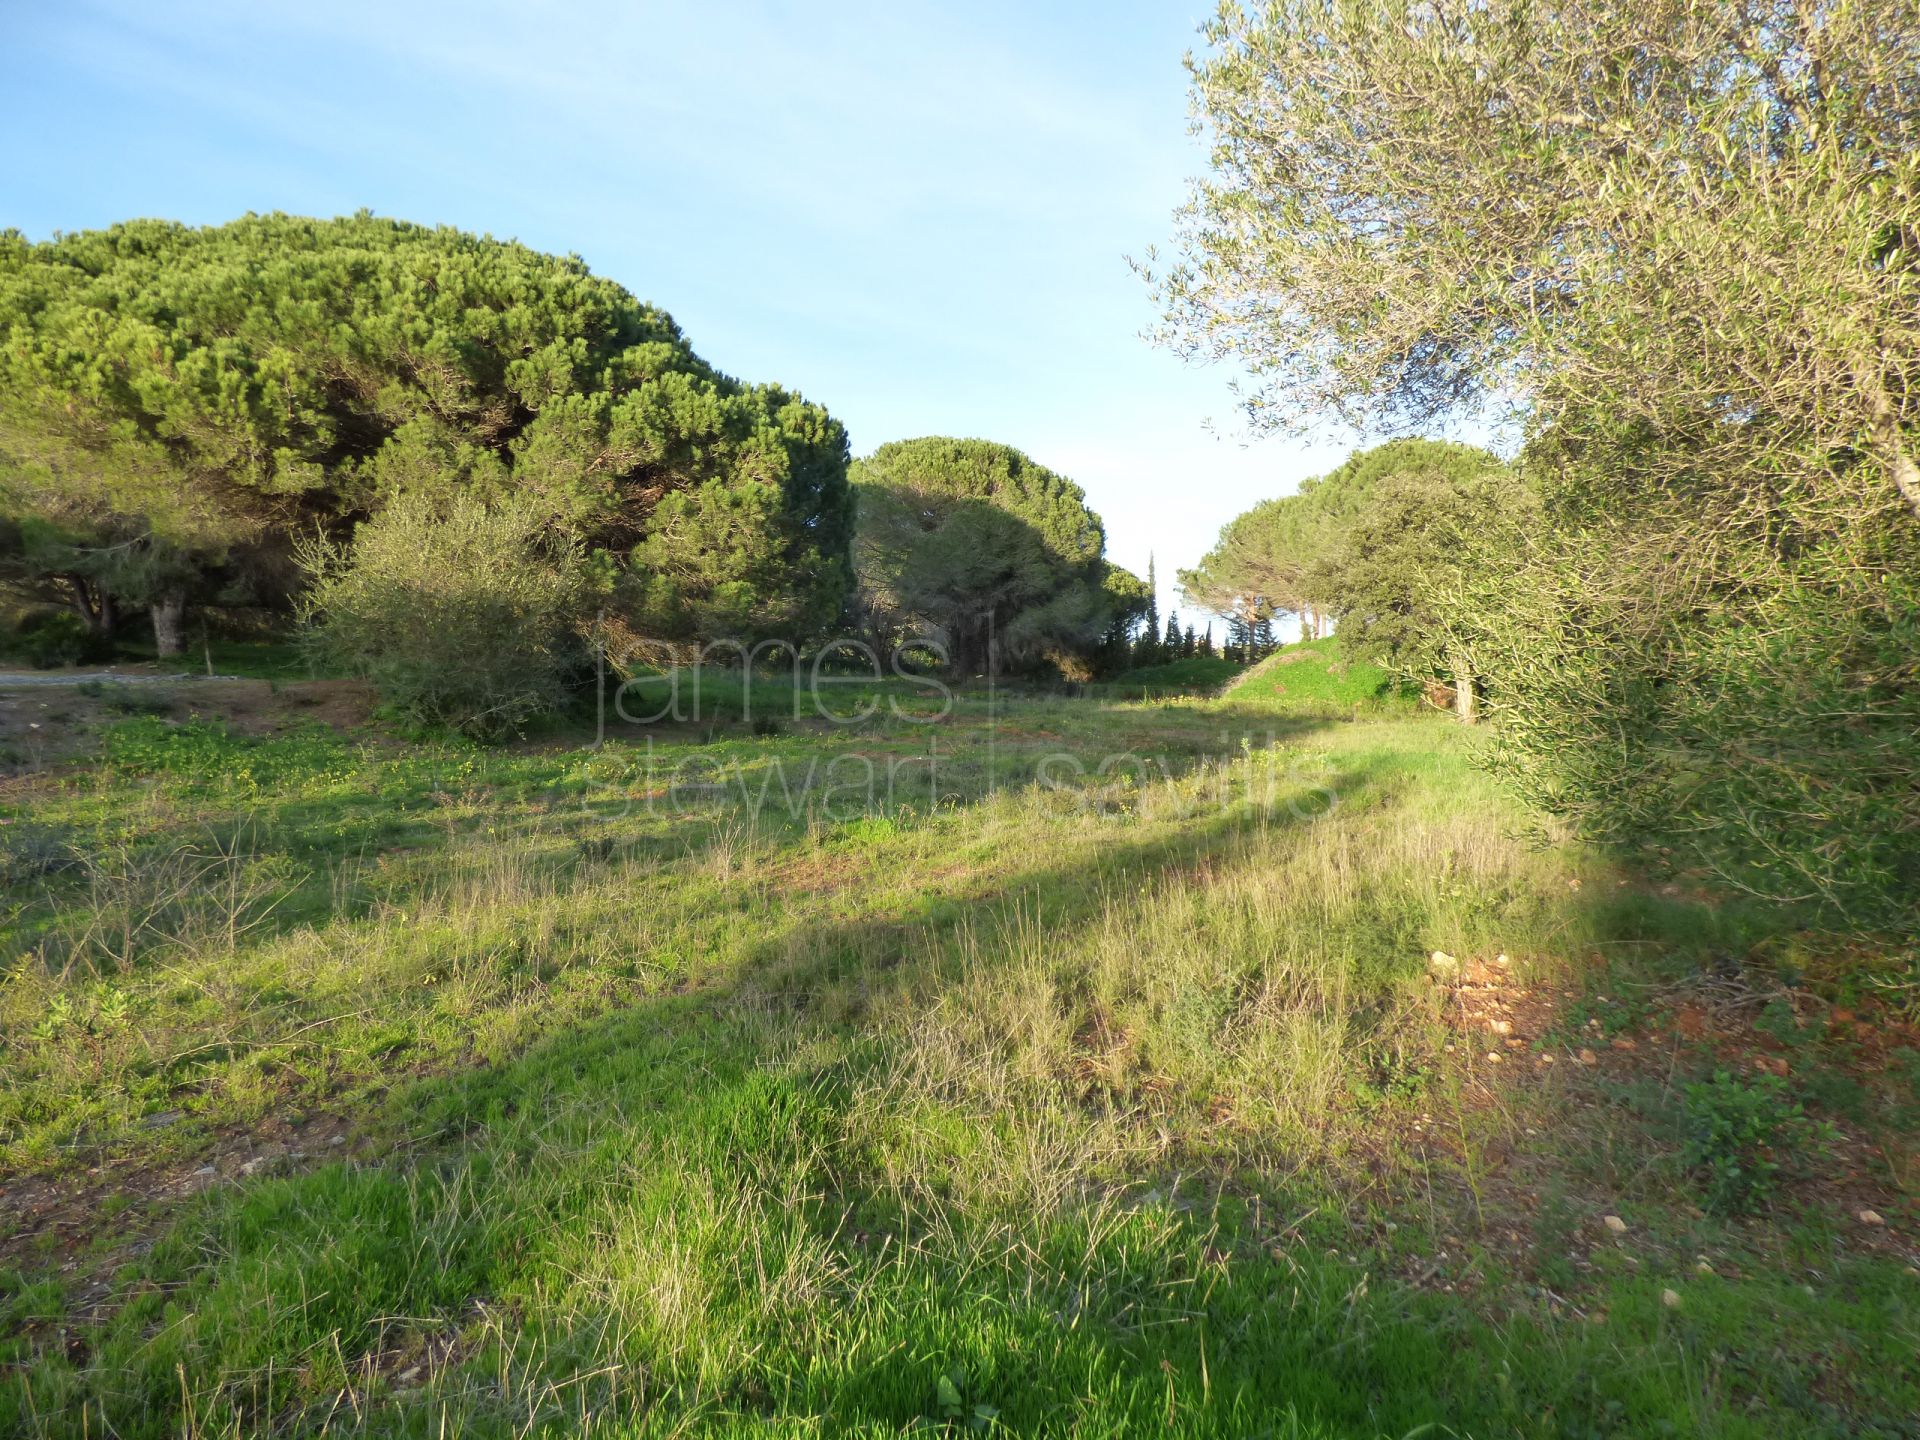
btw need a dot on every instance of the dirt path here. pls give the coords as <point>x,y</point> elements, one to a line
<point>46,679</point>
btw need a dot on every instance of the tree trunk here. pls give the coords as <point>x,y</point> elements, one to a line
<point>1463,700</point>
<point>1886,437</point>
<point>82,598</point>
<point>169,625</point>
<point>1906,474</point>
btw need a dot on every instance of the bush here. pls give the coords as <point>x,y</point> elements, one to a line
<point>1741,1135</point>
<point>58,638</point>
<point>460,614</point>
<point>1767,730</point>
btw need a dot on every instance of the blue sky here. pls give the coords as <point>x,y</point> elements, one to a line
<point>917,215</point>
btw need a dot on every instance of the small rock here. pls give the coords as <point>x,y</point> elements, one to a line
<point>411,1373</point>
<point>1670,1299</point>
<point>1587,1057</point>
<point>336,1140</point>
<point>1501,960</point>
<point>1702,1268</point>
<point>1500,1027</point>
<point>1443,965</point>
<point>1871,1217</point>
<point>1614,1223</point>
<point>1493,1057</point>
<point>1621,1042</point>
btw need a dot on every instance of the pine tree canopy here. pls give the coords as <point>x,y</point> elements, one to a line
<point>207,394</point>
<point>1276,557</point>
<point>977,541</point>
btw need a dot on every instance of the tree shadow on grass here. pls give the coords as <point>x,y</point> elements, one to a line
<point>309,860</point>
<point>711,1083</point>
<point>671,1219</point>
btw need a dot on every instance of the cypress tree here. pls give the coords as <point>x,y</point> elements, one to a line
<point>1260,638</point>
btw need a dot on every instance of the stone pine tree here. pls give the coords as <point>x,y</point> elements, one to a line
<point>985,548</point>
<point>178,404</point>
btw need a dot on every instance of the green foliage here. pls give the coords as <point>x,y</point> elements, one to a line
<point>950,1404</point>
<point>1127,600</point>
<point>187,401</point>
<point>1741,1135</point>
<point>1762,730</point>
<point>1391,575</point>
<point>1194,672</point>
<point>461,614</point>
<point>55,638</point>
<point>1706,639</point>
<point>975,544</point>
<point>1285,555</point>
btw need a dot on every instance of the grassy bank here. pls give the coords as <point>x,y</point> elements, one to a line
<point>1056,1066</point>
<point>1314,675</point>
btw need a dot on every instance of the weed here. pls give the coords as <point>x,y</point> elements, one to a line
<point>1742,1134</point>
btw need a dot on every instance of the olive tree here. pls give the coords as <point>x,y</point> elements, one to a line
<point>1687,213</point>
<point>1678,241</point>
<point>459,612</point>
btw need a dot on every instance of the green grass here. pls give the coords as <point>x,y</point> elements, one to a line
<point>1087,1081</point>
<point>1193,673</point>
<point>1313,676</point>
<point>254,659</point>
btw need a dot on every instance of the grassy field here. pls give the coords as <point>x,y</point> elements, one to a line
<point>1061,1067</point>
<point>1192,673</point>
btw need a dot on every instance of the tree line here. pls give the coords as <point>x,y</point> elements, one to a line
<point>1371,544</point>
<point>1675,246</point>
<point>466,463</point>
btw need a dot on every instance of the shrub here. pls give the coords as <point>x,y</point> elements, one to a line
<point>461,614</point>
<point>58,638</point>
<point>1740,1135</point>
